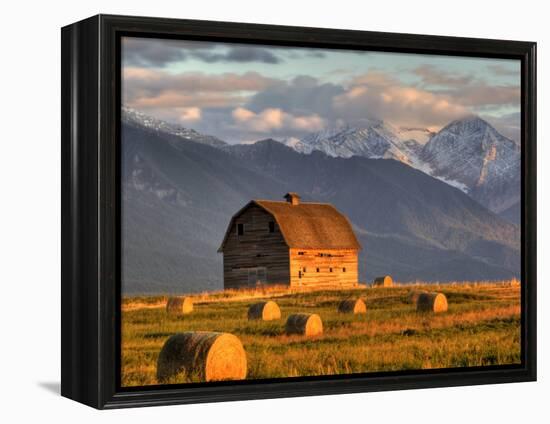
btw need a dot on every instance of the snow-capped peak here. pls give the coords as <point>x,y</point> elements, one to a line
<point>131,115</point>
<point>473,153</point>
<point>372,138</point>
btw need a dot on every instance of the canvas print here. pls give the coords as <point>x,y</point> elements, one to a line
<point>292,212</point>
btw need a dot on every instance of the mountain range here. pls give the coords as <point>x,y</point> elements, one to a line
<point>157,125</point>
<point>468,153</point>
<point>180,190</point>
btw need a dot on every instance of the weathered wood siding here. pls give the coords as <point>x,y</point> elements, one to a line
<point>257,249</point>
<point>313,267</point>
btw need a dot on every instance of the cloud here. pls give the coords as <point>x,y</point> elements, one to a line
<point>274,119</point>
<point>239,54</point>
<point>484,95</point>
<point>503,70</point>
<point>508,125</point>
<point>301,95</point>
<point>432,75</point>
<point>156,53</point>
<point>251,106</point>
<point>152,52</point>
<point>466,89</point>
<point>148,88</point>
<point>379,95</point>
<point>190,114</point>
<point>376,94</point>
<point>242,115</point>
<point>155,80</point>
<point>304,104</point>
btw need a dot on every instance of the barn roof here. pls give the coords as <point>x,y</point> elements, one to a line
<point>307,225</point>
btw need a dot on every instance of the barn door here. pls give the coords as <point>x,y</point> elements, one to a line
<point>257,276</point>
<point>262,275</point>
<point>252,276</point>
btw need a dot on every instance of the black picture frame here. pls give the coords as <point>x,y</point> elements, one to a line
<point>90,222</point>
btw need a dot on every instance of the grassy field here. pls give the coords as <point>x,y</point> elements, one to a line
<point>481,327</point>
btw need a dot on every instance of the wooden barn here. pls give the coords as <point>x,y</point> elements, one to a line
<point>289,242</point>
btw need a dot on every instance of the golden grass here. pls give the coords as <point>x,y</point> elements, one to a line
<point>130,303</point>
<point>481,327</point>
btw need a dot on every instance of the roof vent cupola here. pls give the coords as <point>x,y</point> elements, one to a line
<point>292,198</point>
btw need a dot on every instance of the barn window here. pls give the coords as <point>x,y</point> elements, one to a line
<point>240,229</point>
<point>304,269</point>
<point>330,269</point>
<point>301,253</point>
<point>344,269</point>
<point>317,269</point>
<point>271,227</point>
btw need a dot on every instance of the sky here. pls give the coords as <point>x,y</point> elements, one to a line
<point>242,93</point>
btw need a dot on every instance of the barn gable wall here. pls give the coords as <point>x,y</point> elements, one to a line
<point>255,252</point>
<point>312,267</point>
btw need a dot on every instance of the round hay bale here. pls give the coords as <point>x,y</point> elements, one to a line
<point>384,281</point>
<point>266,311</point>
<point>179,305</point>
<point>431,302</point>
<point>352,306</point>
<point>203,355</point>
<point>304,324</point>
<point>413,296</point>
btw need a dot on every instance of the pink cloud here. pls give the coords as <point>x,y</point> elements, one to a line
<point>148,88</point>
<point>190,114</point>
<point>273,119</point>
<point>377,95</point>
